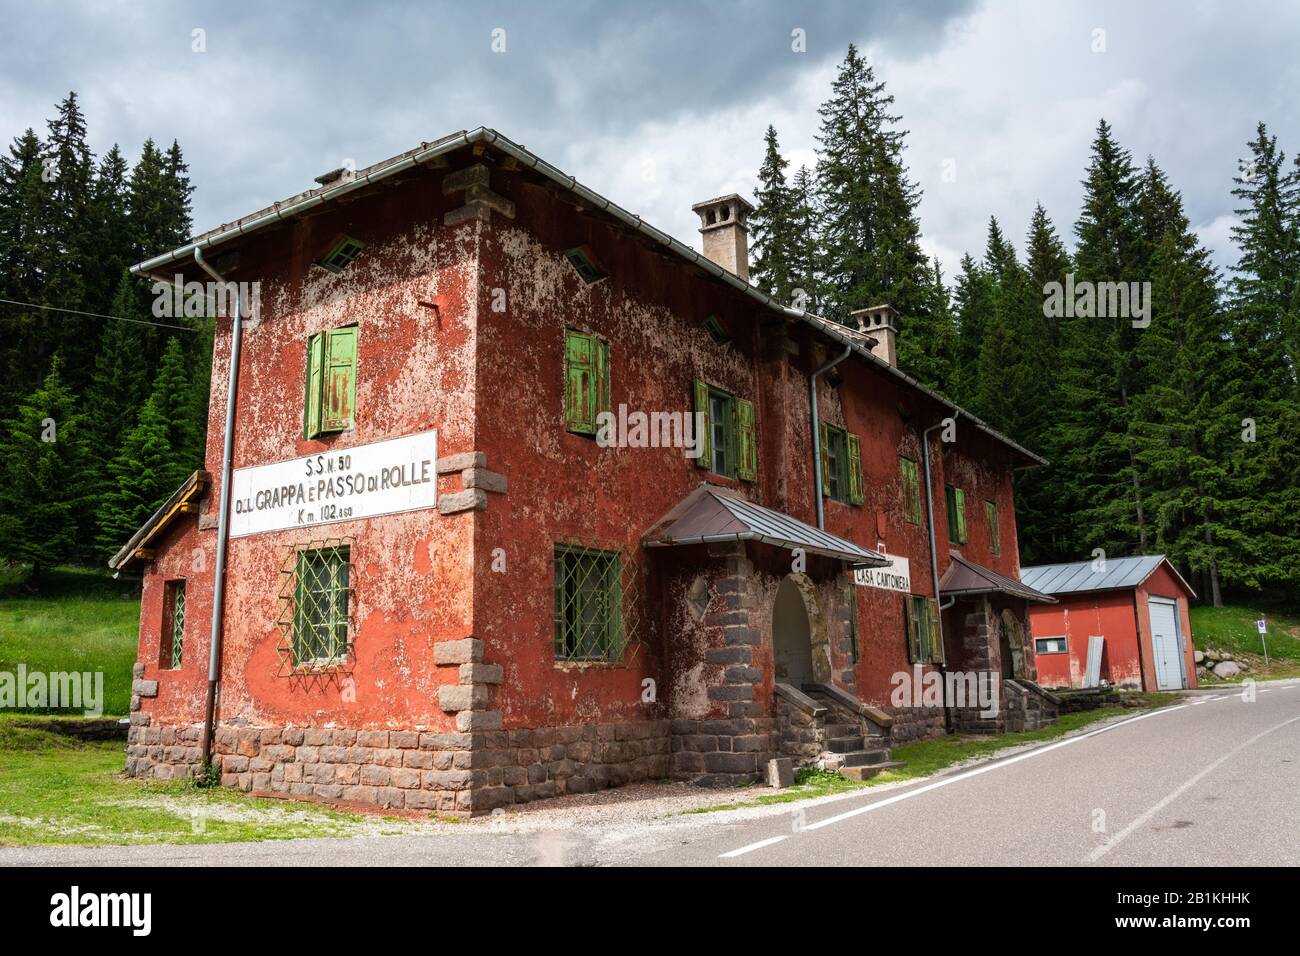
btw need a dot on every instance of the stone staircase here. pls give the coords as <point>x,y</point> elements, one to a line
<point>825,726</point>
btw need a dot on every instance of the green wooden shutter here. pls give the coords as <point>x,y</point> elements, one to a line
<point>913,630</point>
<point>995,527</point>
<point>704,440</point>
<point>911,490</point>
<point>857,484</point>
<point>932,625</point>
<point>600,352</point>
<point>959,503</point>
<point>747,460</point>
<point>313,389</point>
<point>580,390</point>
<point>339,405</point>
<point>825,433</point>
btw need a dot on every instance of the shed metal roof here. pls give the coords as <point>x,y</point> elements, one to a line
<point>710,514</point>
<point>1114,574</point>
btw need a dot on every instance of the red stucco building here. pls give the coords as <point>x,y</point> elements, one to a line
<point>463,572</point>
<point>1131,613</point>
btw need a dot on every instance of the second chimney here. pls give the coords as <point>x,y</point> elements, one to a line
<point>881,323</point>
<point>724,223</point>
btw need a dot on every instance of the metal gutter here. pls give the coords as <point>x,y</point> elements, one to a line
<point>383,170</point>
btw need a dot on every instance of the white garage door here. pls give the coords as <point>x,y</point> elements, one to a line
<point>1164,640</point>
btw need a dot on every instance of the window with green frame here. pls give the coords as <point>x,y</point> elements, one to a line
<point>911,480</point>
<point>995,527</point>
<point>924,643</point>
<point>588,604</point>
<point>586,380</point>
<point>842,465</point>
<point>321,595</point>
<point>330,392</point>
<point>173,632</point>
<point>728,435</point>
<point>956,501</point>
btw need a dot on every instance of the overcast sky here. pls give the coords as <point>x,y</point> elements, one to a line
<point>661,105</point>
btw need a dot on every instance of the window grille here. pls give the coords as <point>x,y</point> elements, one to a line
<point>173,636</point>
<point>596,604</point>
<point>315,622</point>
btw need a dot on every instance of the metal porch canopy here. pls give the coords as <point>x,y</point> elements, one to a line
<point>710,515</point>
<point>965,578</point>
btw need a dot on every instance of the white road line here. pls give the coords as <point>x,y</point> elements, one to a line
<point>1120,837</point>
<point>753,846</point>
<point>951,780</point>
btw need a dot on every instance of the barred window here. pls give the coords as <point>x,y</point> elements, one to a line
<point>320,620</point>
<point>173,632</point>
<point>588,604</point>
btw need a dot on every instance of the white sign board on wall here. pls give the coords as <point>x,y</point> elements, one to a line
<point>895,576</point>
<point>364,481</point>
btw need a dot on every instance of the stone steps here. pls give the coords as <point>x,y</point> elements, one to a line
<point>867,771</point>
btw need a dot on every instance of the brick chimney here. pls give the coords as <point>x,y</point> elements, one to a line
<point>724,223</point>
<point>880,322</point>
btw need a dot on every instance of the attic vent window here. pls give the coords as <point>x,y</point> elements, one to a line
<point>716,330</point>
<point>341,255</point>
<point>585,265</point>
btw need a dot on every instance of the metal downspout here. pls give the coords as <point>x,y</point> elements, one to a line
<point>817,434</point>
<point>934,570</point>
<point>223,524</point>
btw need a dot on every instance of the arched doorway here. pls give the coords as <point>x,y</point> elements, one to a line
<point>791,636</point>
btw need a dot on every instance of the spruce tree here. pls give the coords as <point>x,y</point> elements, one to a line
<point>870,235</point>
<point>117,388</point>
<point>928,352</point>
<point>772,225</point>
<point>807,267</point>
<point>973,304</point>
<point>42,495</point>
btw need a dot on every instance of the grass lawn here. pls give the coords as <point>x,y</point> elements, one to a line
<point>81,620</point>
<point>57,790</point>
<point>1233,629</point>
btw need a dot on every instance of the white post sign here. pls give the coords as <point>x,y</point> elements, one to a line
<point>364,481</point>
<point>895,576</point>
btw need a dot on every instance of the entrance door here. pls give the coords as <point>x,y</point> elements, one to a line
<point>1164,643</point>
<point>791,636</point>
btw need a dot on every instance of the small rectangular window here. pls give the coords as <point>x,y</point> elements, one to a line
<point>588,604</point>
<point>330,390</point>
<point>173,632</point>
<point>321,597</point>
<point>842,478</point>
<point>995,527</point>
<point>907,471</point>
<point>729,433</point>
<point>924,641</point>
<point>1052,645</point>
<point>956,499</point>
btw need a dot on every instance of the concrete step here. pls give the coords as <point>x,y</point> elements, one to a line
<point>868,771</point>
<point>844,745</point>
<point>862,758</point>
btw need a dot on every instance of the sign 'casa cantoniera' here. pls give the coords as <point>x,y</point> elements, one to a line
<point>364,481</point>
<point>895,576</point>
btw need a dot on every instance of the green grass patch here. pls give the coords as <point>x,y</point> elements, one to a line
<point>79,621</point>
<point>809,782</point>
<point>1233,629</point>
<point>58,790</point>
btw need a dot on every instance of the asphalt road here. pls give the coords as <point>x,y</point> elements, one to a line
<point>1213,781</point>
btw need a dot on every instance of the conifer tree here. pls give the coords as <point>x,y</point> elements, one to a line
<point>807,266</point>
<point>42,495</point>
<point>772,225</point>
<point>928,351</point>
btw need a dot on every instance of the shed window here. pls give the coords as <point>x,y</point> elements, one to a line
<point>924,645</point>
<point>956,499</point>
<point>588,604</point>
<point>341,254</point>
<point>586,381</point>
<point>173,632</point>
<point>995,527</point>
<point>728,435</point>
<point>1051,645</point>
<point>330,399</point>
<point>321,595</point>
<point>907,472</point>
<point>842,465</point>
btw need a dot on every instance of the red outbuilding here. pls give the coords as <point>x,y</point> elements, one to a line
<point>1124,621</point>
<point>526,498</point>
